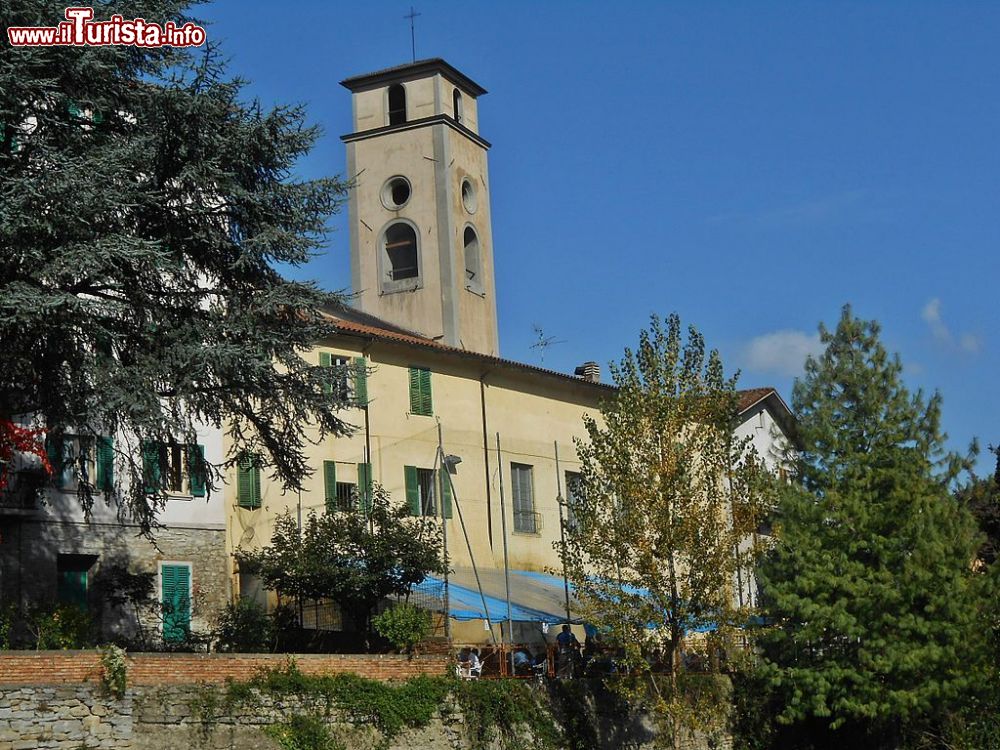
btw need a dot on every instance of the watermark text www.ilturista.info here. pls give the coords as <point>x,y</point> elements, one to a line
<point>80,30</point>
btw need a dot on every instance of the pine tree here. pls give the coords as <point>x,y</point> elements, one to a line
<point>870,585</point>
<point>667,500</point>
<point>146,206</point>
<point>981,496</point>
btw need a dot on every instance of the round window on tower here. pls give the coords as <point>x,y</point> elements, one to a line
<point>469,199</point>
<point>395,192</point>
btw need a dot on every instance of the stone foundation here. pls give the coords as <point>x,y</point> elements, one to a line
<point>177,701</point>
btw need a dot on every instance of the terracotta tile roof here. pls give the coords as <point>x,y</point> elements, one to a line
<point>354,322</point>
<point>753,396</point>
<point>377,329</point>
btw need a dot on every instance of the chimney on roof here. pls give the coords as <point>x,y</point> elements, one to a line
<point>589,371</point>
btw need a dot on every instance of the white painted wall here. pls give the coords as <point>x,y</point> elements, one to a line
<point>181,511</point>
<point>772,445</point>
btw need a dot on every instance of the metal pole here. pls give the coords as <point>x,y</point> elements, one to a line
<point>368,468</point>
<point>298,522</point>
<point>506,562</point>
<point>444,535</point>
<point>468,546</point>
<point>562,529</point>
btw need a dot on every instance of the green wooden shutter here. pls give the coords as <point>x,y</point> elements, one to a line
<point>196,469</point>
<point>445,492</point>
<point>425,393</point>
<point>176,602</point>
<point>255,476</point>
<point>330,485</point>
<point>326,360</point>
<point>105,464</point>
<point>365,487</point>
<point>151,465</point>
<point>420,391</point>
<point>412,490</point>
<point>360,382</point>
<point>248,483</point>
<point>415,401</point>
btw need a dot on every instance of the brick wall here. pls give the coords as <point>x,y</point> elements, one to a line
<point>76,667</point>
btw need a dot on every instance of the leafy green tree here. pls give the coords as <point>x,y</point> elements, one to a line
<point>404,626</point>
<point>351,559</point>
<point>870,586</point>
<point>665,514</point>
<point>146,206</point>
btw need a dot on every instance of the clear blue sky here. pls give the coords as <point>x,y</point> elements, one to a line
<point>751,166</point>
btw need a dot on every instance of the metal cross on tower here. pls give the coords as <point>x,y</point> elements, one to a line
<point>413,38</point>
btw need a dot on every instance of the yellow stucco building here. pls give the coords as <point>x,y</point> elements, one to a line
<point>420,351</point>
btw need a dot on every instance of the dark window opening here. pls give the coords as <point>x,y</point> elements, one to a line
<point>342,386</point>
<point>401,251</point>
<point>469,197</point>
<point>456,99</point>
<point>74,579</point>
<point>525,518</point>
<point>397,104</point>
<point>472,277</point>
<point>574,494</point>
<point>172,465</point>
<point>425,481</point>
<point>177,468</point>
<point>400,192</point>
<point>347,497</point>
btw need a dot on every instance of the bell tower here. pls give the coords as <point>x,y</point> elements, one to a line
<point>419,206</point>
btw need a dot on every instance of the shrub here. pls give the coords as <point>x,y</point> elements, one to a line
<point>7,616</point>
<point>497,713</point>
<point>244,626</point>
<point>404,626</point>
<point>303,732</point>
<point>114,675</point>
<point>65,627</point>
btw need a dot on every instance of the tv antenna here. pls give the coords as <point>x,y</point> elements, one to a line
<point>544,342</point>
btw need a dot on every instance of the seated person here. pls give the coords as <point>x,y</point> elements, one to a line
<point>522,661</point>
<point>475,665</point>
<point>462,666</point>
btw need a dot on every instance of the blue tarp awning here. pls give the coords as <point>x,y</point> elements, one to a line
<point>535,597</point>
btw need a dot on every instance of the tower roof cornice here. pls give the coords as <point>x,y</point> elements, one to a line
<point>414,70</point>
<point>413,124</point>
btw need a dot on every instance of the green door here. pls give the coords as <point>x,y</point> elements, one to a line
<point>176,601</point>
<point>72,588</point>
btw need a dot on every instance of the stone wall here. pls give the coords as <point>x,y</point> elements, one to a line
<point>82,717</point>
<point>56,701</point>
<point>193,717</point>
<point>31,549</point>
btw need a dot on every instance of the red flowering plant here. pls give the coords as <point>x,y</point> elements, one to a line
<point>17,439</point>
